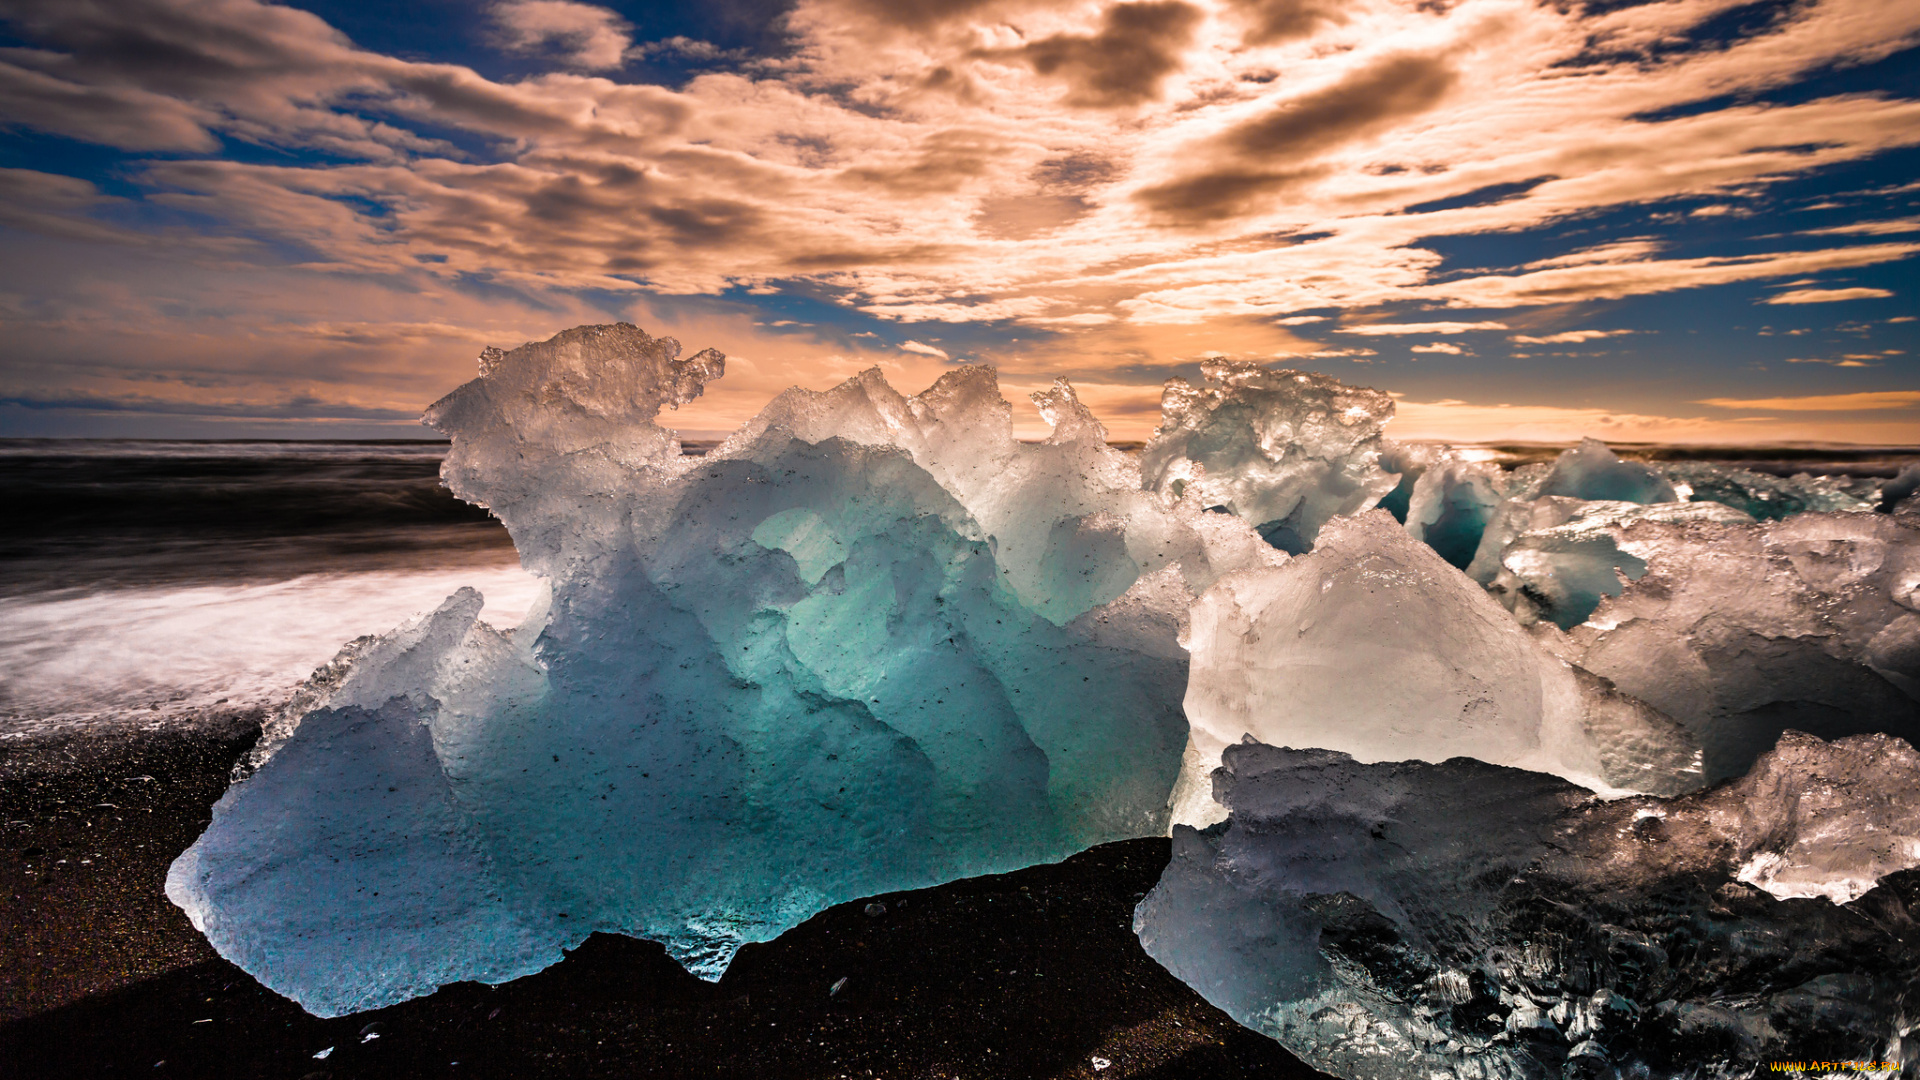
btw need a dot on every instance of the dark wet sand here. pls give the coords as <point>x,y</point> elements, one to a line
<point>1030,974</point>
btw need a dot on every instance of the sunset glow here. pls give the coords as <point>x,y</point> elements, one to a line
<point>1688,220</point>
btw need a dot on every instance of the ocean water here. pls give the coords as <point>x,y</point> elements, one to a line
<point>145,579</point>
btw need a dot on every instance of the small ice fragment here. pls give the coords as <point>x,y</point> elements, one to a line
<point>875,909</point>
<point>322,1055</point>
<point>837,985</point>
<point>1100,1063</point>
<point>1592,471</point>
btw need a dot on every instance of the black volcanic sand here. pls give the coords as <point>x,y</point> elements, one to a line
<point>1024,975</point>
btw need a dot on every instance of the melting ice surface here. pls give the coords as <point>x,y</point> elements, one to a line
<point>872,642</point>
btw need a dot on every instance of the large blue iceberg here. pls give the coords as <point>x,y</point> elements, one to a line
<point>870,643</point>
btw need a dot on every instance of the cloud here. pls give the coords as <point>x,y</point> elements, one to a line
<point>1641,277</point>
<point>915,14</point>
<point>1329,354</point>
<point>582,35</point>
<point>693,49</point>
<point>1273,21</point>
<point>846,174</point>
<point>298,407</point>
<point>1886,399</point>
<point>1421,328</point>
<point>912,161</point>
<point>1853,360</point>
<point>1084,318</point>
<point>1825,296</point>
<point>924,350</point>
<point>57,206</point>
<point>1868,228</point>
<point>1124,63</point>
<point>1448,348</point>
<point>1570,337</point>
<point>124,117</point>
<point>1364,103</point>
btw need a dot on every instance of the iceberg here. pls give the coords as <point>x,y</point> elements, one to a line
<point>1739,632</point>
<point>1902,494</point>
<point>872,642</point>
<point>1764,497</point>
<point>1552,559</point>
<point>1286,450</point>
<point>869,643</point>
<point>1461,919</point>
<point>1545,540</point>
<point>1593,472</point>
<point>1374,646</point>
<point>1451,503</point>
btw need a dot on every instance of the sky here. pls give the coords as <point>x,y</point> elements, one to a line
<point>1684,220</point>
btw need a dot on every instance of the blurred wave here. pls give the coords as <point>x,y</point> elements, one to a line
<point>149,577</point>
<point>76,656</point>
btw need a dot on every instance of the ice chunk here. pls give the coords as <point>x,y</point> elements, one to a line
<point>1372,645</point>
<point>1741,632</point>
<point>344,872</point>
<point>311,694</point>
<point>1766,498</point>
<point>1592,471</point>
<point>1451,505</point>
<point>1286,450</point>
<point>1411,920</point>
<point>1071,525</point>
<point>564,425</point>
<point>1554,558</point>
<point>1902,494</point>
<point>869,643</point>
<point>1825,819</point>
<point>1409,461</point>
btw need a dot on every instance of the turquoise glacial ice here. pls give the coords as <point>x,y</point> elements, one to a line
<point>870,643</point>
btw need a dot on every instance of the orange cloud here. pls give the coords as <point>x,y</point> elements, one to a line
<point>1826,296</point>
<point>1570,337</point>
<point>1868,402</point>
<point>583,35</point>
<point>1420,328</point>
